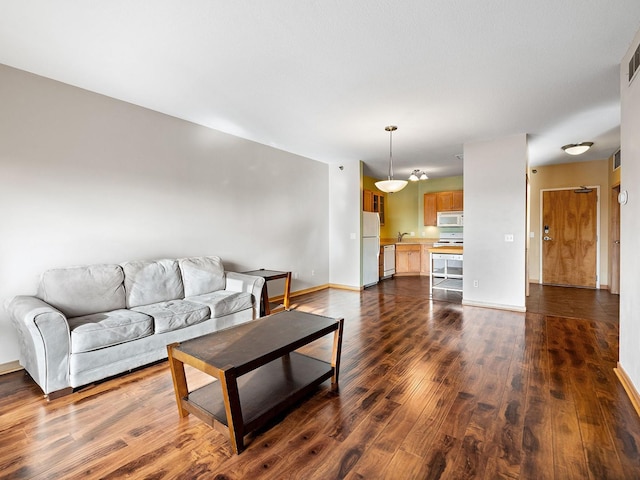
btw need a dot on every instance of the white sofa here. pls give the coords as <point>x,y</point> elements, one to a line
<point>91,322</point>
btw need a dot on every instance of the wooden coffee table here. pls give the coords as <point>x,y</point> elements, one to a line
<point>260,373</point>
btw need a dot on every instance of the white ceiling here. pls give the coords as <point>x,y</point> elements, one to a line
<point>322,78</point>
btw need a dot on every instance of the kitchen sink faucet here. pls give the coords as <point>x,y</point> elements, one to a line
<point>400,235</point>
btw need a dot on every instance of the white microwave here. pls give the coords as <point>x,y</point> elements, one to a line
<point>450,219</point>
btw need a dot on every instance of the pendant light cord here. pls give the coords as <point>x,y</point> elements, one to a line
<point>390,129</point>
<point>390,154</point>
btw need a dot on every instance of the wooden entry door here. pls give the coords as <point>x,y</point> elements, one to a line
<point>569,237</point>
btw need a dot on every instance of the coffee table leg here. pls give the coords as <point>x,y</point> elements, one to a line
<point>337,350</point>
<point>179,379</point>
<point>265,299</point>
<point>287,291</point>
<point>230,394</point>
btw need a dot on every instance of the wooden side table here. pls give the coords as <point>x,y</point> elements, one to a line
<point>268,275</point>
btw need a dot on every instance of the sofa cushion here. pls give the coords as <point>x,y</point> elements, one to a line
<point>202,275</point>
<point>99,330</point>
<point>155,281</point>
<point>174,314</point>
<point>77,291</point>
<point>224,302</point>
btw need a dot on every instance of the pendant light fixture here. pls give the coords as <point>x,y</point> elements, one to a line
<point>390,185</point>
<point>418,175</point>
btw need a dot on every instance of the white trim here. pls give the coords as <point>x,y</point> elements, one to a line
<point>497,306</point>
<point>10,367</point>
<point>629,387</point>
<point>541,224</point>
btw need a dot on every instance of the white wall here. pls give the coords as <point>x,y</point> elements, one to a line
<point>494,205</point>
<point>88,179</point>
<point>345,224</point>
<point>630,221</point>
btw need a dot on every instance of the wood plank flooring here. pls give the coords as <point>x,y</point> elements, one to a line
<point>428,390</point>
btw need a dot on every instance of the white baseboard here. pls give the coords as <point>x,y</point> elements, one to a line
<point>345,287</point>
<point>511,308</point>
<point>10,367</point>
<point>626,382</point>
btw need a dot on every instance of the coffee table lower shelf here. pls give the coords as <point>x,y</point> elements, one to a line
<point>265,392</point>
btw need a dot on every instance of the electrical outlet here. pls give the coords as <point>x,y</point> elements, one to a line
<point>295,275</point>
<point>508,237</point>
<point>475,284</point>
<point>313,272</point>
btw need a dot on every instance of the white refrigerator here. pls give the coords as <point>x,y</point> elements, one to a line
<point>370,248</point>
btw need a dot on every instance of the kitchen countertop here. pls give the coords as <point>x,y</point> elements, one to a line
<point>413,241</point>
<point>454,250</point>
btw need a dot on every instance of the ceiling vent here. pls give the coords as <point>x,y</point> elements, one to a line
<point>634,64</point>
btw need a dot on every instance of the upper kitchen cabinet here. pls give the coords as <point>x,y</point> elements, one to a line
<point>449,201</point>
<point>373,202</point>
<point>441,202</point>
<point>430,210</point>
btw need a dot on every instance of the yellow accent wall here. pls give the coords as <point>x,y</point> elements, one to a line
<point>569,175</point>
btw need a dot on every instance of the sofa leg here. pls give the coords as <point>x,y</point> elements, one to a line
<point>59,393</point>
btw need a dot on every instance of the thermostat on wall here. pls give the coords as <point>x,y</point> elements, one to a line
<point>623,196</point>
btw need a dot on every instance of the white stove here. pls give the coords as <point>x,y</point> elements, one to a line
<point>454,239</point>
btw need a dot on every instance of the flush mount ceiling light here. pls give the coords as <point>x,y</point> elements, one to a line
<point>390,185</point>
<point>577,148</point>
<point>418,175</point>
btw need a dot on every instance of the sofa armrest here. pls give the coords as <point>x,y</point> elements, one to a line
<point>45,341</point>
<point>241,282</point>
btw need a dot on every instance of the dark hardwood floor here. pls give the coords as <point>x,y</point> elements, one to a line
<point>428,389</point>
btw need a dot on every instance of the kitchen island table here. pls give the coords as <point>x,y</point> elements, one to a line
<point>446,269</point>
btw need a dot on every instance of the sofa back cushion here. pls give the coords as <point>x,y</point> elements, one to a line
<point>202,275</point>
<point>84,290</point>
<point>154,281</point>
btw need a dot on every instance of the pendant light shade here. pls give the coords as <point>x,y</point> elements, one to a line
<point>418,175</point>
<point>577,149</point>
<point>390,185</point>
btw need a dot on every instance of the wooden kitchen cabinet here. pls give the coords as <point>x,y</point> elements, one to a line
<point>408,259</point>
<point>449,201</point>
<point>373,202</point>
<point>457,204</point>
<point>367,200</point>
<point>430,209</point>
<point>444,201</point>
<point>425,266</point>
<point>441,202</point>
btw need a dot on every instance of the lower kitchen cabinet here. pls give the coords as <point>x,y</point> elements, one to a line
<point>408,259</point>
<point>425,266</point>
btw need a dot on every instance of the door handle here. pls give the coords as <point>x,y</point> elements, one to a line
<point>546,238</point>
<point>617,242</point>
